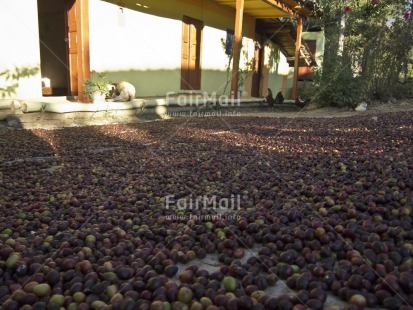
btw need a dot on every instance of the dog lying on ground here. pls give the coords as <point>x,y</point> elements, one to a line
<point>122,91</point>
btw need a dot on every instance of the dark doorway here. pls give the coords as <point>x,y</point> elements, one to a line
<point>53,46</point>
<point>257,70</point>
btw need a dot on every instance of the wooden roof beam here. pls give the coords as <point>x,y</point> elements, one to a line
<point>290,12</point>
<point>273,29</point>
<point>264,13</point>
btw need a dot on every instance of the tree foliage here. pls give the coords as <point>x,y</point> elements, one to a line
<point>376,62</point>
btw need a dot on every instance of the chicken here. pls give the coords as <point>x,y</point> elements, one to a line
<point>279,99</point>
<point>270,99</point>
<point>302,104</point>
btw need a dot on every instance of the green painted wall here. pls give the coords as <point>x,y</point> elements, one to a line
<point>275,70</point>
<point>320,39</point>
<point>142,43</point>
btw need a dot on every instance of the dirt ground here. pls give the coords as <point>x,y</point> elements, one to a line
<point>375,109</point>
<point>285,110</point>
<point>330,112</point>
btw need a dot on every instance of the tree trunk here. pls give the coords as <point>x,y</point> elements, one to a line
<point>341,30</point>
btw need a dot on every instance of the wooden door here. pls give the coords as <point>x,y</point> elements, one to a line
<point>72,48</point>
<point>191,53</point>
<point>77,21</point>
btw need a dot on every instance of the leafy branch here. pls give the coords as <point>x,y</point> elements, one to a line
<point>243,70</point>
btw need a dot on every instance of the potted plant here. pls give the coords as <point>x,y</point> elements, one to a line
<point>96,87</point>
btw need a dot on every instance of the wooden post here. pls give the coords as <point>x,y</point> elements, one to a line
<point>237,47</point>
<point>284,84</point>
<point>82,7</point>
<point>297,56</point>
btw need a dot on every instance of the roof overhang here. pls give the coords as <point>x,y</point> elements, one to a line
<point>268,14</point>
<point>284,35</point>
<point>274,8</point>
<point>262,8</point>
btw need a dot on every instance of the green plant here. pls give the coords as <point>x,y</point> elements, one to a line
<point>337,86</point>
<point>244,70</point>
<point>96,83</point>
<point>228,65</point>
<point>376,51</point>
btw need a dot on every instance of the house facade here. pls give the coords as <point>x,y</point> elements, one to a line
<point>161,47</point>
